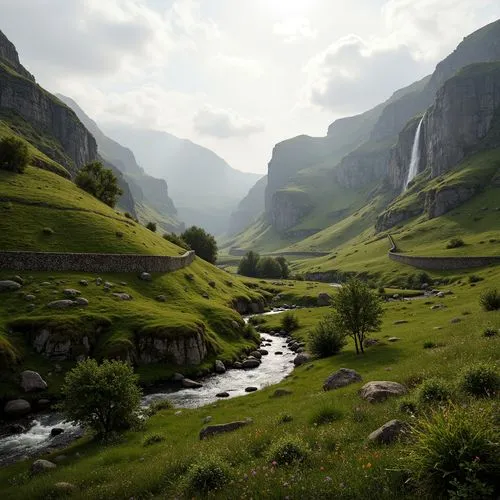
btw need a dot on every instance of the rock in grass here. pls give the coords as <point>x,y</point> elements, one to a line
<point>301,358</point>
<point>400,322</point>
<point>64,488</point>
<point>279,393</point>
<point>42,466</point>
<point>29,298</point>
<point>324,299</point>
<point>84,283</point>
<point>389,432</point>
<point>61,304</point>
<point>71,292</point>
<point>378,391</point>
<point>393,339</point>
<point>82,302</point>
<point>32,381</point>
<point>146,277</point>
<point>9,286</point>
<point>161,298</point>
<point>190,384</point>
<point>219,366</point>
<point>212,430</point>
<point>455,320</point>
<point>341,378</point>
<point>122,296</point>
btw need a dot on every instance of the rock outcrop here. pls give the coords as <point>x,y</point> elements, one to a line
<point>32,381</point>
<point>9,55</point>
<point>288,207</point>
<point>61,347</point>
<point>378,391</point>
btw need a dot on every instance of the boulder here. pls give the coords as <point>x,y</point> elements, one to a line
<point>56,431</point>
<point>61,304</point>
<point>161,298</point>
<point>212,284</point>
<point>301,358</point>
<point>178,377</point>
<point>32,381</point>
<point>455,320</point>
<point>82,302</point>
<point>251,363</point>
<point>219,366</point>
<point>212,430</point>
<point>122,296</point>
<point>378,391</point>
<point>17,407</point>
<point>278,353</point>
<point>238,365</point>
<point>9,286</point>
<point>263,352</point>
<point>18,279</point>
<point>29,298</point>
<point>341,378</point>
<point>71,292</point>
<point>84,283</point>
<point>190,384</point>
<point>64,488</point>
<point>43,403</point>
<point>393,339</point>
<point>389,432</point>
<point>42,466</point>
<point>98,281</point>
<point>145,277</point>
<point>440,295</point>
<point>222,395</point>
<point>256,354</point>
<point>324,299</point>
<point>251,389</point>
<point>279,393</point>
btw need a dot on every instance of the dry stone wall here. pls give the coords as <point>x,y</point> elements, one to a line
<point>93,262</point>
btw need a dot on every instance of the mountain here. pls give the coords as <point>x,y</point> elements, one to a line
<point>46,122</point>
<point>153,203</point>
<point>204,188</point>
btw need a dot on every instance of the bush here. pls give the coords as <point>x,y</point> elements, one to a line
<point>429,345</point>
<point>490,300</point>
<point>473,278</point>
<point>433,390</point>
<point>456,454</point>
<point>490,332</point>
<point>287,450</point>
<point>480,380</point>
<point>153,439</point>
<point>151,226</point>
<point>326,339</point>
<point>176,240</point>
<point>159,405</point>
<point>100,182</point>
<point>289,322</point>
<point>14,155</point>
<point>105,398</point>
<point>455,243</point>
<point>208,474</point>
<point>202,243</point>
<point>325,415</point>
<point>253,266</point>
<point>381,290</point>
<point>268,267</point>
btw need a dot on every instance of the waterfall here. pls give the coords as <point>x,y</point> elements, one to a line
<point>415,156</point>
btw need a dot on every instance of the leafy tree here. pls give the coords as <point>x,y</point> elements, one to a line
<point>14,155</point>
<point>357,311</point>
<point>151,226</point>
<point>248,264</point>
<point>176,240</point>
<point>202,243</point>
<point>268,267</point>
<point>104,397</point>
<point>99,182</point>
<point>285,270</point>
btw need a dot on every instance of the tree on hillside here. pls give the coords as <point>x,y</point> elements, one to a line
<point>14,155</point>
<point>268,267</point>
<point>176,240</point>
<point>248,264</point>
<point>202,243</point>
<point>99,182</point>
<point>285,270</point>
<point>105,398</point>
<point>357,312</point>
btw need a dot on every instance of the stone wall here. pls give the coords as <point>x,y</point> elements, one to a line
<point>93,262</point>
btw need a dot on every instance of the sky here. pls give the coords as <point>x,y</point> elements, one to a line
<point>236,76</point>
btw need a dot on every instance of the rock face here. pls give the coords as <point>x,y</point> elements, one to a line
<point>389,432</point>
<point>32,381</point>
<point>57,347</point>
<point>341,378</point>
<point>438,202</point>
<point>9,54</point>
<point>212,430</point>
<point>185,350</point>
<point>378,391</point>
<point>17,407</point>
<point>288,207</point>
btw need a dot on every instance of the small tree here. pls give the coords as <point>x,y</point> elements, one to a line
<point>285,270</point>
<point>357,311</point>
<point>269,268</point>
<point>14,155</point>
<point>202,243</point>
<point>248,264</point>
<point>151,226</point>
<point>99,182</point>
<point>105,398</point>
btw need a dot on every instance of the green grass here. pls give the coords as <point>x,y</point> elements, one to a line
<point>338,457</point>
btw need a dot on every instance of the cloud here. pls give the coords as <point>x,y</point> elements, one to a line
<point>250,67</point>
<point>351,76</point>
<point>223,124</point>
<point>294,30</point>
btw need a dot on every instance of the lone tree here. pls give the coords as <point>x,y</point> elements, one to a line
<point>202,243</point>
<point>14,155</point>
<point>99,182</point>
<point>357,312</point>
<point>105,398</point>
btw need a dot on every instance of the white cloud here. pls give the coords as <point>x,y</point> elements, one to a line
<point>294,30</point>
<point>223,123</point>
<point>250,67</point>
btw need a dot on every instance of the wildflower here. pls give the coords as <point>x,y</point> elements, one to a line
<point>328,478</point>
<point>368,465</point>
<point>274,463</point>
<point>321,468</point>
<point>254,473</point>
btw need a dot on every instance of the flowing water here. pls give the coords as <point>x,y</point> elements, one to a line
<point>415,156</point>
<point>273,369</point>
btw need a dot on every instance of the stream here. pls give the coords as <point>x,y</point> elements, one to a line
<point>274,368</point>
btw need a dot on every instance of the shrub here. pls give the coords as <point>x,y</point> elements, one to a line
<point>381,290</point>
<point>287,450</point>
<point>100,182</point>
<point>429,345</point>
<point>326,339</point>
<point>176,240</point>
<point>480,380</point>
<point>48,231</point>
<point>14,155</point>
<point>208,474</point>
<point>159,405</point>
<point>105,398</point>
<point>202,243</point>
<point>433,390</point>
<point>151,226</point>
<point>325,415</point>
<point>455,243</point>
<point>473,278</point>
<point>289,322</point>
<point>153,439</point>
<point>456,454</point>
<point>284,418</point>
<point>248,265</point>
<point>490,332</point>
<point>490,300</point>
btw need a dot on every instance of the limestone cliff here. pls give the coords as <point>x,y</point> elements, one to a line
<point>288,207</point>
<point>10,57</point>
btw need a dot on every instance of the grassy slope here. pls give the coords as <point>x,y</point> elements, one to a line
<point>338,450</point>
